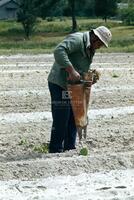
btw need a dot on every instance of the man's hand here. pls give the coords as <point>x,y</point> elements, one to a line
<point>73,74</point>
<point>96,76</point>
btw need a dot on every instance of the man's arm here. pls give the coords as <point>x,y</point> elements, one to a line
<point>73,74</point>
<point>69,45</point>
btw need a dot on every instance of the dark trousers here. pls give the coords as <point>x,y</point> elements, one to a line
<point>63,133</point>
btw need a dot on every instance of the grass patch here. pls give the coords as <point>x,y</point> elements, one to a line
<point>49,33</point>
<point>43,148</point>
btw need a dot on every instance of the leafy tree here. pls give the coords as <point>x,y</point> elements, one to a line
<point>71,8</point>
<point>105,8</point>
<point>74,8</point>
<point>127,15</point>
<point>57,7</point>
<point>27,16</point>
<point>89,8</point>
<point>47,7</point>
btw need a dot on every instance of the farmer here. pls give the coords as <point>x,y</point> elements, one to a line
<point>73,56</point>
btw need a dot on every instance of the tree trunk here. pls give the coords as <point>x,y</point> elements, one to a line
<point>105,19</point>
<point>74,22</point>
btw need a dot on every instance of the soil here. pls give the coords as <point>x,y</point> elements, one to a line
<point>25,120</point>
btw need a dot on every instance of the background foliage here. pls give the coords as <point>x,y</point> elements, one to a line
<point>46,22</point>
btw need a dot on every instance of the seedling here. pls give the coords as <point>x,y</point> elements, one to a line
<point>115,75</point>
<point>23,142</point>
<point>43,148</point>
<point>84,151</point>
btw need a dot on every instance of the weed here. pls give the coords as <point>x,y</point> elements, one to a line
<point>43,148</point>
<point>115,75</point>
<point>23,142</point>
<point>84,151</point>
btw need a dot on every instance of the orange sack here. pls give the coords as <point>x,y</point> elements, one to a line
<point>80,96</point>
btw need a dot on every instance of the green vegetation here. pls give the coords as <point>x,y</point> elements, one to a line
<point>27,16</point>
<point>23,142</point>
<point>127,15</point>
<point>49,33</point>
<point>115,75</point>
<point>40,148</point>
<point>43,148</point>
<point>106,8</point>
<point>84,151</point>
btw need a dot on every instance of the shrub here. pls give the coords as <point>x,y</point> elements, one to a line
<point>27,17</point>
<point>127,15</point>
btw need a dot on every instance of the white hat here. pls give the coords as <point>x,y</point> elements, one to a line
<point>104,34</point>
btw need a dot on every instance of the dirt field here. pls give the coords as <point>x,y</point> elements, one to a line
<point>25,123</point>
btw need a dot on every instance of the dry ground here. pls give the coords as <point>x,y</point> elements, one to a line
<point>25,119</point>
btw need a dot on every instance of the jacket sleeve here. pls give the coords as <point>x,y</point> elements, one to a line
<point>69,45</point>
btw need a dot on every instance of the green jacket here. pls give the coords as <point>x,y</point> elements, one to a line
<point>71,51</point>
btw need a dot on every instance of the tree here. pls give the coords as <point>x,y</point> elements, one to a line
<point>46,7</point>
<point>89,8</point>
<point>105,8</point>
<point>49,8</point>
<point>74,7</point>
<point>74,22</point>
<point>127,15</point>
<point>27,16</point>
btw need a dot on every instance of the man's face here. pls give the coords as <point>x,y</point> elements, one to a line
<point>97,44</point>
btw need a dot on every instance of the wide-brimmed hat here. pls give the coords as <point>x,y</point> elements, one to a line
<point>104,34</point>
